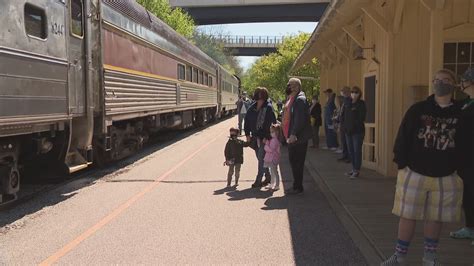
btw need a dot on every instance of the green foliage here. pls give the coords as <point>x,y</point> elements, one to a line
<point>271,71</point>
<point>215,49</point>
<point>176,18</point>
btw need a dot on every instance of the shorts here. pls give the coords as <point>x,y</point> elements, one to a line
<point>419,197</point>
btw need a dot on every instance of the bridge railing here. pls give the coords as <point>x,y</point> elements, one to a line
<point>250,41</point>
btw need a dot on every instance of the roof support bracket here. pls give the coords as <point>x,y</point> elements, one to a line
<point>357,37</point>
<point>377,18</point>
<point>433,4</point>
<point>344,52</point>
<point>398,15</point>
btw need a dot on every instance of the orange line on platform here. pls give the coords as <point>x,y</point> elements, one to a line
<point>111,216</point>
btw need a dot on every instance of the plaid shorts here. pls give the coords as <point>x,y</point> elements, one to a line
<point>420,197</point>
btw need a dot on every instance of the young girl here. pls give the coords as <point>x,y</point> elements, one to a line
<point>272,156</point>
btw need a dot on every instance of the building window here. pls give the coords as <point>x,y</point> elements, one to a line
<point>77,18</point>
<point>458,57</point>
<point>210,81</point>
<point>35,21</point>
<point>189,73</point>
<point>206,79</point>
<point>195,75</point>
<point>181,72</point>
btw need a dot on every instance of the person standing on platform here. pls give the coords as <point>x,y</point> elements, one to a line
<point>346,105</point>
<point>234,155</point>
<point>272,156</point>
<point>297,131</point>
<point>260,116</point>
<point>316,120</point>
<point>354,128</point>
<point>467,168</point>
<point>242,106</point>
<point>427,154</point>
<point>331,137</point>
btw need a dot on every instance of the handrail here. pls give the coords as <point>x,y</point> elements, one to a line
<point>250,41</point>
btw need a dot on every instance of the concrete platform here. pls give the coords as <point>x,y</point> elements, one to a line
<point>365,206</point>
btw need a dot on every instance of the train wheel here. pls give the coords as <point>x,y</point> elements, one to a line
<point>9,180</point>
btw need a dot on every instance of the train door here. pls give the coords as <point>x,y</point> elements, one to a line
<point>219,92</point>
<point>76,58</point>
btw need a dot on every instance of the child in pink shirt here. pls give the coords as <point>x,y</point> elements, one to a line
<point>272,156</point>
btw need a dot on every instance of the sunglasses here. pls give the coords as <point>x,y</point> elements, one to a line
<point>355,92</point>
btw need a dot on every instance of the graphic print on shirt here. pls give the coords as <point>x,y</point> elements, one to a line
<point>438,133</point>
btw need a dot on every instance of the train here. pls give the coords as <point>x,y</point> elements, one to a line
<point>88,81</point>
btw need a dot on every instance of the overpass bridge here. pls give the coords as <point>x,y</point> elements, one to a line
<point>207,12</point>
<point>239,45</point>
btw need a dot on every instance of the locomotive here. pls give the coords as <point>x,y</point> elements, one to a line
<point>85,81</point>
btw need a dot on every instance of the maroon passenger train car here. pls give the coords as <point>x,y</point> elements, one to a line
<point>108,73</point>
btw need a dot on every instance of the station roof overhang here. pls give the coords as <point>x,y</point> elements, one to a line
<point>336,21</point>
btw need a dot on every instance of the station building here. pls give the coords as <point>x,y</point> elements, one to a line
<point>390,49</point>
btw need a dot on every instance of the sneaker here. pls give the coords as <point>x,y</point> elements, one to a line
<point>269,186</point>
<point>236,185</point>
<point>276,188</point>
<point>333,149</point>
<point>349,173</point>
<point>434,262</point>
<point>339,151</point>
<point>463,233</point>
<point>325,148</point>
<point>393,260</point>
<point>354,175</point>
<point>257,185</point>
<point>293,191</point>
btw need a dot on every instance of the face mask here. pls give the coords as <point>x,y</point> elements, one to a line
<point>342,94</point>
<point>288,90</point>
<point>442,89</point>
<point>314,101</point>
<point>274,135</point>
<point>354,96</point>
<point>233,136</point>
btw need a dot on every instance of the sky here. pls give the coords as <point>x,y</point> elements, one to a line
<point>259,29</point>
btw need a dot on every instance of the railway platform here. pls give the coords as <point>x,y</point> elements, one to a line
<point>364,206</point>
<point>169,205</point>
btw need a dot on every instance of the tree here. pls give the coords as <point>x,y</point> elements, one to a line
<point>182,23</point>
<point>272,71</point>
<point>176,18</point>
<point>215,49</point>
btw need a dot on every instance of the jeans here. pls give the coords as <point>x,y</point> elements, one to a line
<point>297,156</point>
<point>315,136</point>
<point>468,196</point>
<point>354,146</point>
<point>331,137</point>
<point>345,150</point>
<point>260,152</point>
<point>241,119</point>
<point>231,172</point>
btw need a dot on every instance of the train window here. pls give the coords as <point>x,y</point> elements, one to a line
<point>210,81</point>
<point>181,72</point>
<point>35,21</point>
<point>189,73</point>
<point>195,75</point>
<point>77,18</point>
<point>206,79</point>
<point>201,77</point>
